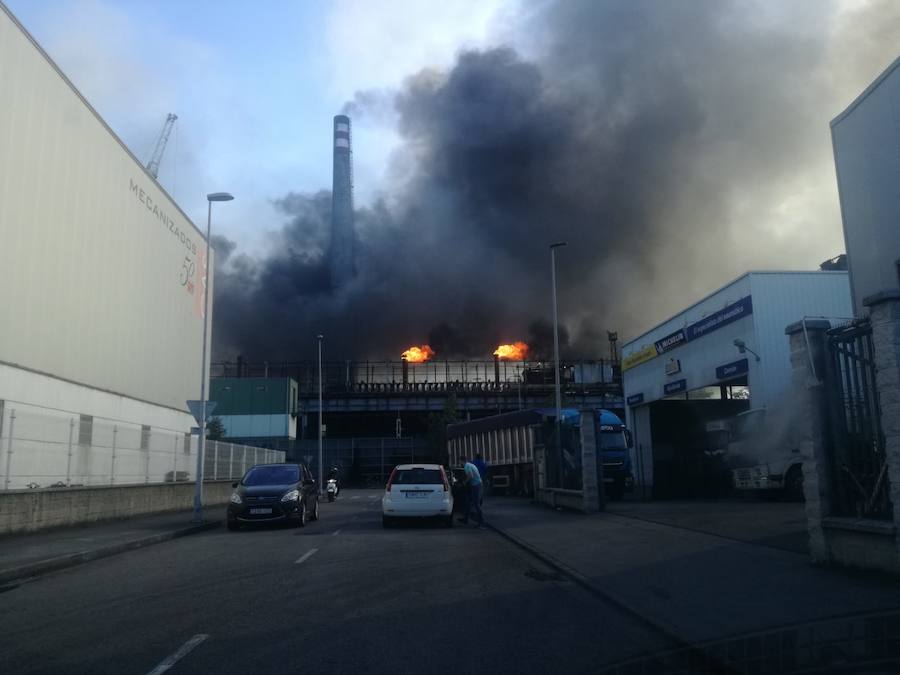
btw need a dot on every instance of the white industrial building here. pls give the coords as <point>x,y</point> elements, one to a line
<point>102,277</point>
<point>866,141</point>
<point>689,370</point>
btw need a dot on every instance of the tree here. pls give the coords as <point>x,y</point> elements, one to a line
<point>215,430</point>
<point>437,429</point>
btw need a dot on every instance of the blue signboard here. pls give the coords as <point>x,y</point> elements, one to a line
<point>731,313</point>
<point>732,369</point>
<point>675,387</point>
<point>671,341</point>
<point>635,399</point>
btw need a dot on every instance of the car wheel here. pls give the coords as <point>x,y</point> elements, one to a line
<point>233,526</point>
<point>315,513</point>
<point>387,521</point>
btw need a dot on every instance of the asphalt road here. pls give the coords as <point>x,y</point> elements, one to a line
<point>340,595</point>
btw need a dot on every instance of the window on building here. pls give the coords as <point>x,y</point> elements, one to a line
<point>86,430</point>
<point>187,444</point>
<point>705,393</point>
<point>145,437</point>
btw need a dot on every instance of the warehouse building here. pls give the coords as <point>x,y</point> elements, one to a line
<point>866,142</point>
<point>259,411</point>
<point>102,277</point>
<point>721,356</point>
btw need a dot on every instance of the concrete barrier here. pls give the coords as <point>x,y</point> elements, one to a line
<point>33,510</point>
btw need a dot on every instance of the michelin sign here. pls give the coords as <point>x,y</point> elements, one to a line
<point>729,314</point>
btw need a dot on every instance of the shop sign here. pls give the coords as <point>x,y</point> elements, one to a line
<point>732,369</point>
<point>635,399</point>
<point>675,387</point>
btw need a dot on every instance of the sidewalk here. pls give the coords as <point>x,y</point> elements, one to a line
<point>28,555</point>
<point>695,586</point>
<point>768,523</point>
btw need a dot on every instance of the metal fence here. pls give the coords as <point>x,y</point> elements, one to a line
<point>44,447</point>
<point>436,375</point>
<point>562,444</point>
<point>859,466</point>
<point>364,462</point>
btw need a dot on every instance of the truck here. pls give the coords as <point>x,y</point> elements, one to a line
<point>763,453</point>
<point>506,442</point>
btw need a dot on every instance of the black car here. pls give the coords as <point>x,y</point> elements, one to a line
<point>270,493</point>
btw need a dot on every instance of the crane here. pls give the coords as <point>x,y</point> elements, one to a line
<point>153,164</point>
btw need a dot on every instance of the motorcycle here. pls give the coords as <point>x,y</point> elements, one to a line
<point>332,489</point>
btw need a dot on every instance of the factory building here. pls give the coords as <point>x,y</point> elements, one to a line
<point>103,278</point>
<point>342,261</point>
<point>866,142</point>
<point>723,355</point>
<point>256,410</point>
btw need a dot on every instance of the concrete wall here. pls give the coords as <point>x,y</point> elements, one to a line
<point>33,510</point>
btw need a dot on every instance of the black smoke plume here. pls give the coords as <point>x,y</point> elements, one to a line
<point>659,139</point>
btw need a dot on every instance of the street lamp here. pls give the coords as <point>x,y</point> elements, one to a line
<point>201,449</point>
<point>743,348</point>
<point>321,474</point>
<point>553,248</point>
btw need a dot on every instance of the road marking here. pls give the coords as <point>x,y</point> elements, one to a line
<point>305,556</point>
<point>355,497</point>
<point>186,649</point>
<point>335,533</point>
<point>373,496</point>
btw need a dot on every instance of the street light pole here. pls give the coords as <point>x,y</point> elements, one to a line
<point>321,473</point>
<point>201,445</point>
<point>553,248</point>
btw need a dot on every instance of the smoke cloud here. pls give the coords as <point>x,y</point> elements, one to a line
<point>672,145</point>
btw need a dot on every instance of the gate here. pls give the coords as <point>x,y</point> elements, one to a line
<point>858,466</point>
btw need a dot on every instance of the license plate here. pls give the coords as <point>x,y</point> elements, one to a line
<point>259,512</point>
<point>416,495</point>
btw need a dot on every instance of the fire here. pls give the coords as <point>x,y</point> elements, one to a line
<point>418,354</point>
<point>517,351</point>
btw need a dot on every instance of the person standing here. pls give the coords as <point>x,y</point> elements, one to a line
<point>474,483</point>
<point>482,471</point>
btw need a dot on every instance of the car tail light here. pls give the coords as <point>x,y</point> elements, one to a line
<point>444,476</point>
<point>390,480</point>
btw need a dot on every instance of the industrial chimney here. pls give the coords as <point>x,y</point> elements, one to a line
<point>341,256</point>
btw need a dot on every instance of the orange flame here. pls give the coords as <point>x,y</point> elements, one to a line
<point>517,351</point>
<point>418,354</point>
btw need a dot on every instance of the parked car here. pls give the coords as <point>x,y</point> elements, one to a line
<point>271,493</point>
<point>417,491</point>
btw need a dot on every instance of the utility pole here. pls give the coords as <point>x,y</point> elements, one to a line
<point>558,426</point>
<point>553,248</point>
<point>321,471</point>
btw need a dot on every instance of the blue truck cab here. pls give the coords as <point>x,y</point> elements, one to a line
<point>613,442</point>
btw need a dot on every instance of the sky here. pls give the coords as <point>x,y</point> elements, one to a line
<point>674,145</point>
<point>255,87</point>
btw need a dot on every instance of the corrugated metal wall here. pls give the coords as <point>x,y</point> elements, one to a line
<point>866,140</point>
<point>699,358</point>
<point>780,299</point>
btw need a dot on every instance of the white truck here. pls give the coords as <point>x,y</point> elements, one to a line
<point>763,453</point>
